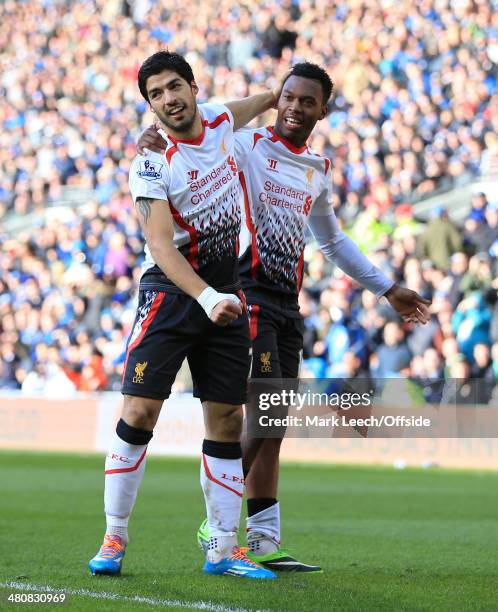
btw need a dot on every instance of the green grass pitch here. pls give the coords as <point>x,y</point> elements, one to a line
<point>387,539</point>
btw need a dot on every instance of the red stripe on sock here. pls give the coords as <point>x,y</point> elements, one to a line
<point>211,477</point>
<point>133,468</point>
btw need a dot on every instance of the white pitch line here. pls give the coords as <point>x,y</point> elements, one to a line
<point>197,605</point>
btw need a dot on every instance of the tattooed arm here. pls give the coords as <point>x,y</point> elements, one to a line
<point>157,224</point>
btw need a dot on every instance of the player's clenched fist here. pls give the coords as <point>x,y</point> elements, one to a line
<point>221,308</point>
<point>225,312</point>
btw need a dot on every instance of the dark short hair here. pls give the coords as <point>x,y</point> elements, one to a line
<point>308,70</point>
<point>163,60</point>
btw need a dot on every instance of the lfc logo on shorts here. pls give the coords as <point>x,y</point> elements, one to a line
<point>138,379</point>
<point>265,362</point>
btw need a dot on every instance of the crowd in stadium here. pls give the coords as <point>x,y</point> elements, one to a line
<point>415,113</point>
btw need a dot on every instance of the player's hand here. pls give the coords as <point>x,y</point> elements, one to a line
<point>277,90</point>
<point>221,308</point>
<point>151,139</point>
<point>410,306</point>
<point>225,312</point>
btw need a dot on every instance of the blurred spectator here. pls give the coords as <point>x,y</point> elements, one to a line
<point>440,239</point>
<point>393,355</point>
<point>432,364</point>
<point>481,229</point>
<point>491,228</point>
<point>471,324</point>
<point>458,268</point>
<point>483,366</point>
<point>405,223</point>
<point>479,275</point>
<point>479,202</point>
<point>369,231</point>
<point>489,159</point>
<point>462,389</point>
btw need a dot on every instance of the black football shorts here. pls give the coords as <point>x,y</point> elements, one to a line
<point>171,326</point>
<point>277,342</point>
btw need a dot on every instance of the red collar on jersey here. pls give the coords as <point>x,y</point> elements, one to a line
<point>285,142</point>
<point>205,123</point>
<point>191,141</point>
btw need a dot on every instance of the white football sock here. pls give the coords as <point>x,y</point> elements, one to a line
<point>263,530</point>
<point>124,469</point>
<point>222,482</point>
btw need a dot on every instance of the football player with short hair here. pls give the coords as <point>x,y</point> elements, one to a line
<point>190,305</point>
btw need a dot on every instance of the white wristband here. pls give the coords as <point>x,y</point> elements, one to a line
<point>210,298</point>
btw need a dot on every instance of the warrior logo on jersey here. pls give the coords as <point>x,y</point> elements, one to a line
<point>139,373</point>
<point>309,175</point>
<point>150,171</point>
<point>192,175</point>
<point>272,164</point>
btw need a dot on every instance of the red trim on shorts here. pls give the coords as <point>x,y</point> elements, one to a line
<point>213,479</point>
<point>242,298</point>
<point>327,164</point>
<point>158,300</point>
<point>254,320</point>
<point>194,242</point>
<point>133,468</point>
<point>254,245</point>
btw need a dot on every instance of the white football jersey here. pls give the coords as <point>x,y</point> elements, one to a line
<point>282,186</point>
<point>199,180</point>
<point>285,188</point>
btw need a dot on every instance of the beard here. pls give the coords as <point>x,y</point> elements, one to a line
<point>179,125</point>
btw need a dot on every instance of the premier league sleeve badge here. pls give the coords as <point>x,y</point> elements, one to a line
<point>150,171</point>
